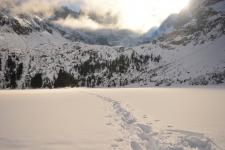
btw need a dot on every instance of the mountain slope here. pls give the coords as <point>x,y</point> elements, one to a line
<point>35,54</point>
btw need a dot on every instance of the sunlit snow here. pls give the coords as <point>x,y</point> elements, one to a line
<point>97,119</point>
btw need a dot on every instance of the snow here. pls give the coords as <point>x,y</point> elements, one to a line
<point>220,6</point>
<point>186,58</point>
<point>199,59</point>
<point>54,120</point>
<point>178,110</point>
<point>136,119</point>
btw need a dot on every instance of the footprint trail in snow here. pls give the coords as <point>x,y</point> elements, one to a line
<point>141,136</point>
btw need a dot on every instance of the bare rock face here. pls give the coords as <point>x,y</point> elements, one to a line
<point>24,24</point>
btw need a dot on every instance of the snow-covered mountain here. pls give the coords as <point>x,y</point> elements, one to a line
<point>34,53</point>
<point>105,36</point>
<point>187,15</point>
<point>166,27</point>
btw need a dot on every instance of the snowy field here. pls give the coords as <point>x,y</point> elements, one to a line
<point>123,119</point>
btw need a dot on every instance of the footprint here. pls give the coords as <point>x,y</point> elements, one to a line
<point>108,116</point>
<point>169,133</point>
<point>109,124</point>
<point>115,119</point>
<point>145,116</point>
<point>149,123</point>
<point>154,133</point>
<point>135,146</point>
<point>114,145</point>
<point>119,140</point>
<point>144,128</point>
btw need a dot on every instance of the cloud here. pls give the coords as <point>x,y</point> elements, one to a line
<point>82,22</point>
<point>7,4</point>
<point>43,7</point>
<point>136,15</point>
<point>95,13</point>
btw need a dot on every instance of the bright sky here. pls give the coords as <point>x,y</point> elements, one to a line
<point>141,15</point>
<point>137,15</point>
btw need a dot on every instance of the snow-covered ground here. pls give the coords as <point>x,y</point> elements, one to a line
<point>100,119</point>
<point>196,110</point>
<point>54,120</point>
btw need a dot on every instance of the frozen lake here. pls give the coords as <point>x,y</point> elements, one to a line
<point>83,119</point>
<point>197,110</point>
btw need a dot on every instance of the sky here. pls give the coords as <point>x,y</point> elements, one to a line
<point>144,14</point>
<point>136,15</point>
